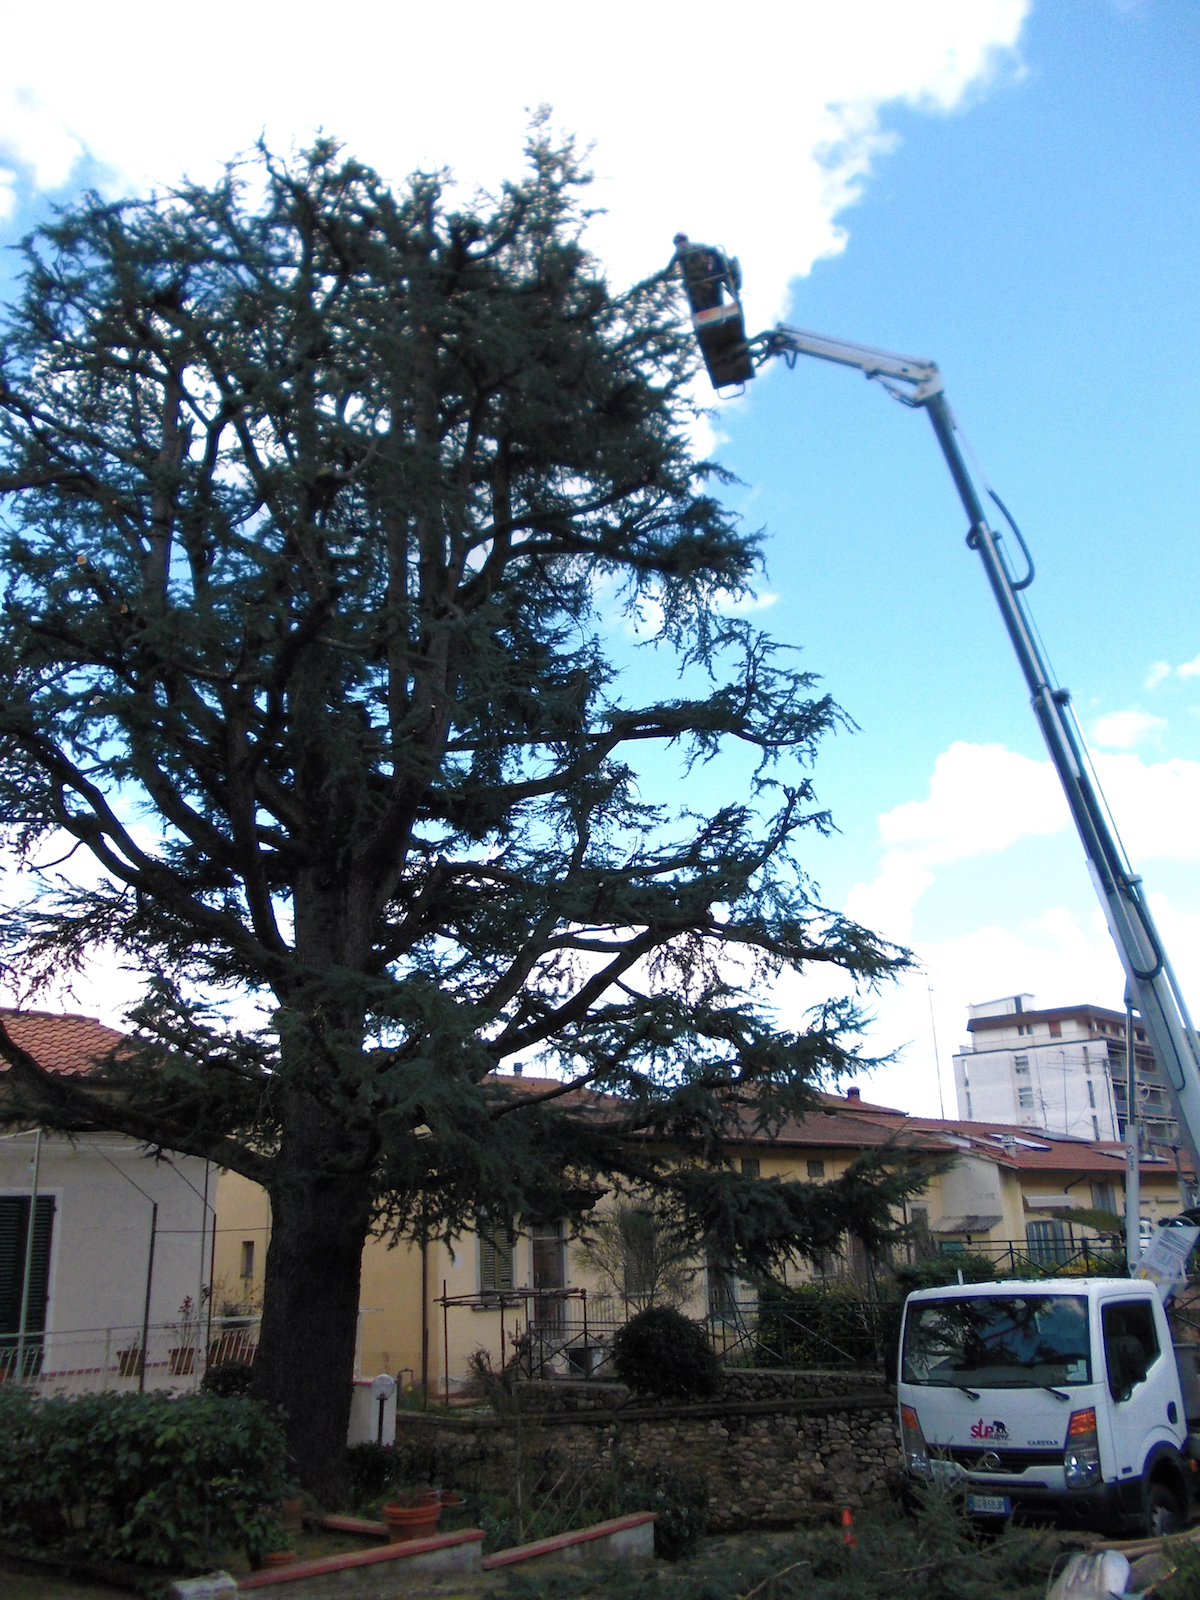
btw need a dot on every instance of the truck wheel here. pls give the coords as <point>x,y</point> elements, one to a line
<point>1164,1514</point>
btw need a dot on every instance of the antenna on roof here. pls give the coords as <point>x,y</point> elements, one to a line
<point>937,1060</point>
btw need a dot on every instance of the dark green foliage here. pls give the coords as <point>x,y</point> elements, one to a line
<point>944,1268</point>
<point>231,1377</point>
<point>322,509</point>
<point>1184,1582</point>
<point>935,1556</point>
<point>660,1352</point>
<point>681,1501</point>
<point>809,1325</point>
<point>170,1484</point>
<point>371,1469</point>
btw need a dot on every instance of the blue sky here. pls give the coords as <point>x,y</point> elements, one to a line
<point>1011,189</point>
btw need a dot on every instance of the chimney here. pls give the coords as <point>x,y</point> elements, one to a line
<point>518,1068</point>
<point>853,1093</point>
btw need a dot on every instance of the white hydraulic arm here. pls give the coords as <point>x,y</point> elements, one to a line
<point>1151,982</point>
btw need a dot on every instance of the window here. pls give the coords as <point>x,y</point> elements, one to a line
<point>1025,1098</point>
<point>998,1341</point>
<point>1021,1063</point>
<point>1049,1242</point>
<point>816,1169</point>
<point>1130,1344</point>
<point>1095,1127</point>
<point>548,1248</point>
<point>496,1250</point>
<point>1092,1095</point>
<point>14,1228</point>
<point>969,1111</point>
<point>639,1251</point>
<point>751,1167</point>
<point>1055,1028</point>
<point>1104,1197</point>
<point>247,1258</point>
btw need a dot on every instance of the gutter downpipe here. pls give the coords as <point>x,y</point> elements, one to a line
<point>146,1305</point>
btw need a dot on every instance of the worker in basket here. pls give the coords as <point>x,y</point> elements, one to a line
<point>711,281</point>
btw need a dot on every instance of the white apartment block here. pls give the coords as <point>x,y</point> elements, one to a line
<point>1060,1071</point>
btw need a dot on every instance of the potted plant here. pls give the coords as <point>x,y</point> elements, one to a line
<point>413,1514</point>
<point>291,1511</point>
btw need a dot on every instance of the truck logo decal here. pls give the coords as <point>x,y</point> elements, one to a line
<point>988,1430</point>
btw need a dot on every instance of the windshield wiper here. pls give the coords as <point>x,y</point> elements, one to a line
<point>1059,1394</point>
<point>949,1383</point>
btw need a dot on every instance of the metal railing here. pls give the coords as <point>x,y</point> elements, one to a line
<point>1045,1258</point>
<point>93,1360</point>
<point>834,1330</point>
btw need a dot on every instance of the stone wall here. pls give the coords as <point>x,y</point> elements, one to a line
<point>776,1448</point>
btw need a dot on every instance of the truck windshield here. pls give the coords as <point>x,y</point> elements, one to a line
<point>998,1341</point>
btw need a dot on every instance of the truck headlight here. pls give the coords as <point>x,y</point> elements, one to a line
<point>1081,1452</point>
<point>912,1440</point>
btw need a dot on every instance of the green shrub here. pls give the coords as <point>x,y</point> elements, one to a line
<point>167,1483</point>
<point>681,1500</point>
<point>371,1469</point>
<point>809,1325</point>
<point>944,1268</point>
<point>230,1378</point>
<point>659,1352</point>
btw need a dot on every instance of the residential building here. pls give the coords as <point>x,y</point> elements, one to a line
<point>535,1288</point>
<point>1060,1071</point>
<point>117,1294</point>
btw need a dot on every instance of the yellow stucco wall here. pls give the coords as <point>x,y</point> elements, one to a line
<point>401,1320</point>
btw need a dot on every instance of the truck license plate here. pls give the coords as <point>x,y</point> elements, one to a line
<point>989,1505</point>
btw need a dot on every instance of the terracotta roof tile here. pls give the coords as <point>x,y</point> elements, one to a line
<point>62,1042</point>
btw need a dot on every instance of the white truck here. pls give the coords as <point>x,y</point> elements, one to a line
<point>1057,1395</point>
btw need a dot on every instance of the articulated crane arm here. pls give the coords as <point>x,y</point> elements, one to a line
<point>1151,983</point>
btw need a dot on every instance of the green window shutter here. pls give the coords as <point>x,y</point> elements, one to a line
<point>14,1227</point>
<point>496,1250</point>
<point>14,1224</point>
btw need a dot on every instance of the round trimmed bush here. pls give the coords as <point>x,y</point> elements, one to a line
<point>659,1352</point>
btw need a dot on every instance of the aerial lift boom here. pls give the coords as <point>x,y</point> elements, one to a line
<point>1151,983</point>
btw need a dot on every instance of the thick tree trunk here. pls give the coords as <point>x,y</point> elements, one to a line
<point>310,1311</point>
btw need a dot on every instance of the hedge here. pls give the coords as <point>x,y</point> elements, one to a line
<point>171,1484</point>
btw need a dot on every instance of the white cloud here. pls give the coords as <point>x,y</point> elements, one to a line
<point>1190,669</point>
<point>1156,673</point>
<point>1155,805</point>
<point>1121,730</point>
<point>982,799</point>
<point>685,135</point>
<point>747,603</point>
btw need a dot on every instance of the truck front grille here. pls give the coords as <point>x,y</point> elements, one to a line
<point>1004,1460</point>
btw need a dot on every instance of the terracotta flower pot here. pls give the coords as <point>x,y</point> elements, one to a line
<point>411,1522</point>
<point>278,1558</point>
<point>291,1514</point>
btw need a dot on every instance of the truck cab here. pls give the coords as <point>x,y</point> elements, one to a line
<point>1058,1396</point>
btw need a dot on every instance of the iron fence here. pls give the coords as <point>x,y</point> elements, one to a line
<point>1044,1258</point>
